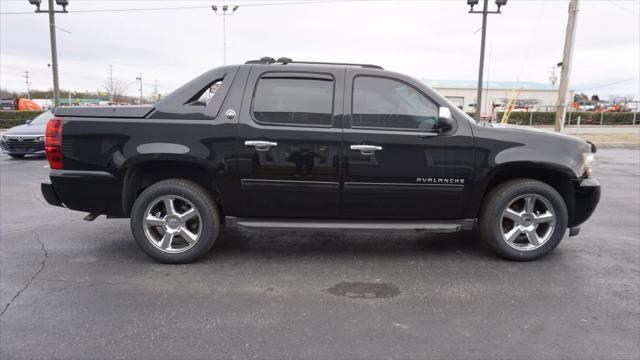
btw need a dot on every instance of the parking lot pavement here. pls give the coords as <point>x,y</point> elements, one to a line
<point>594,129</point>
<point>75,289</point>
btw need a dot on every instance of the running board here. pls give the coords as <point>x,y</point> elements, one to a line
<point>441,226</point>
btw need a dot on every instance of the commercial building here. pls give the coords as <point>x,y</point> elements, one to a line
<point>530,96</point>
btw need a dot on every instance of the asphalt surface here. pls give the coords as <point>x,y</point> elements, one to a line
<point>595,129</point>
<point>76,289</point>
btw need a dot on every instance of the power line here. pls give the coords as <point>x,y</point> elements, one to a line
<point>208,6</point>
<point>608,84</point>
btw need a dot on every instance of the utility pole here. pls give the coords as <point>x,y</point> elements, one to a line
<point>485,12</point>
<point>155,90</point>
<point>224,15</point>
<point>140,79</point>
<point>52,34</point>
<point>567,58</point>
<point>26,76</point>
<point>111,97</point>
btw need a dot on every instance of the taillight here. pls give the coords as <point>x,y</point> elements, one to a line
<point>53,143</point>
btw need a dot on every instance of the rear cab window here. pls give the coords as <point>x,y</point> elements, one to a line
<point>207,94</point>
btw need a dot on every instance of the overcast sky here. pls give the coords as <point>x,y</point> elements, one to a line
<point>425,39</point>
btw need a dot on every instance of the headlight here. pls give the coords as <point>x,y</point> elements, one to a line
<point>41,138</point>
<point>587,159</point>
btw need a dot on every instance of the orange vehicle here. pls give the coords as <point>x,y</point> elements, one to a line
<point>26,104</point>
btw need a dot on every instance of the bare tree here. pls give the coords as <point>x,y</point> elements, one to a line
<point>115,88</point>
<point>7,94</point>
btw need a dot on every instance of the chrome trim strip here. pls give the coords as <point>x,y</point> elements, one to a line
<point>420,185</point>
<point>22,136</point>
<point>290,181</point>
<point>260,143</point>
<point>288,185</point>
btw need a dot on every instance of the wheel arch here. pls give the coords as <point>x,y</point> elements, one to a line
<point>553,175</point>
<point>139,175</point>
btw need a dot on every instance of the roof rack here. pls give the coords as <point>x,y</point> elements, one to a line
<point>285,61</point>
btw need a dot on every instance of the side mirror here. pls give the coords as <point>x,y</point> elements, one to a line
<point>445,120</point>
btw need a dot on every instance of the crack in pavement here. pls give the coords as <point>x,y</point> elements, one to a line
<point>42,265</point>
<point>29,227</point>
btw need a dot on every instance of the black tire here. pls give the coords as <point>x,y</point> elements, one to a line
<point>491,221</point>
<point>17,156</point>
<point>199,198</point>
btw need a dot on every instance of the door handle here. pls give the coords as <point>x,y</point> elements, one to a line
<point>366,149</point>
<point>261,145</point>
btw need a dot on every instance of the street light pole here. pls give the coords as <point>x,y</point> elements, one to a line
<point>52,34</point>
<point>481,68</point>
<point>224,39</point>
<point>485,12</point>
<point>224,15</point>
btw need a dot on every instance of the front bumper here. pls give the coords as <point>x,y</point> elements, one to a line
<point>25,147</point>
<point>586,199</point>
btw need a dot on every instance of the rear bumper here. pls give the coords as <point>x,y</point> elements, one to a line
<point>586,199</point>
<point>49,194</point>
<point>96,192</point>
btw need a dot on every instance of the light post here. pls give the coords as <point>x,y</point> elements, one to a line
<point>485,11</point>
<point>224,15</point>
<point>139,78</point>
<point>52,34</point>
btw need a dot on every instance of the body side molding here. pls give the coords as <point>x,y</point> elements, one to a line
<point>435,226</point>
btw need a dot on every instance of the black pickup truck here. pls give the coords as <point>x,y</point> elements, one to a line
<point>333,146</point>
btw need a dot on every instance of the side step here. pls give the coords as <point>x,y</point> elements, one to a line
<point>437,226</point>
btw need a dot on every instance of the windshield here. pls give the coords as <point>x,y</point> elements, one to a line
<point>42,118</point>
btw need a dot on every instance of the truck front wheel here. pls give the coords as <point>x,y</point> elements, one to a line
<point>175,221</point>
<point>523,219</point>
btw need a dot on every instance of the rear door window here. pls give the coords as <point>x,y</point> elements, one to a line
<point>294,101</point>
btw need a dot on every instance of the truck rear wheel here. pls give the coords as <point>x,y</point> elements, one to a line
<point>523,219</point>
<point>175,221</point>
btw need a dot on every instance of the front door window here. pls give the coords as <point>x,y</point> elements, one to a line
<point>382,103</point>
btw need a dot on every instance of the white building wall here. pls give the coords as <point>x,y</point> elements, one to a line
<point>467,97</point>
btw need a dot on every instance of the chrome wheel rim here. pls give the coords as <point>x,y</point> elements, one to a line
<point>172,224</point>
<point>528,222</point>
